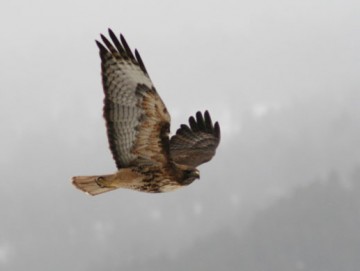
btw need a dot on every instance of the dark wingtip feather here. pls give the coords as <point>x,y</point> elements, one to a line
<point>108,44</point>
<point>101,47</point>
<point>204,123</point>
<point>102,50</point>
<point>208,122</point>
<point>217,132</point>
<point>119,48</point>
<point>139,60</point>
<point>104,39</point>
<point>206,114</point>
<point>116,43</point>
<point>126,47</point>
<point>193,124</point>
<point>110,31</point>
<point>200,120</point>
<point>185,128</point>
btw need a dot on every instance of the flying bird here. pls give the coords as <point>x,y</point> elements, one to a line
<point>138,127</point>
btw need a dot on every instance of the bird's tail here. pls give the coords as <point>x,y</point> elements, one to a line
<point>89,185</point>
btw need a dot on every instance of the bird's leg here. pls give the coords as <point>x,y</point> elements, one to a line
<point>123,178</point>
<point>104,182</point>
<point>100,181</point>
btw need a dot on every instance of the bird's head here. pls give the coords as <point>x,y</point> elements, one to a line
<point>190,175</point>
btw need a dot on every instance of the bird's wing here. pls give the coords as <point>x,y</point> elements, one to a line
<point>136,118</point>
<point>196,144</point>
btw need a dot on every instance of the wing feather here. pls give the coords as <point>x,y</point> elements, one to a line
<point>196,144</point>
<point>117,44</point>
<point>136,118</point>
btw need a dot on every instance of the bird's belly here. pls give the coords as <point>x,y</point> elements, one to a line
<point>158,186</point>
<point>169,187</point>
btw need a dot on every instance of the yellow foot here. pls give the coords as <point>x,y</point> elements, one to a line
<point>104,183</point>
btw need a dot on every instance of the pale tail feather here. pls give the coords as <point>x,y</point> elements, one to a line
<point>89,185</point>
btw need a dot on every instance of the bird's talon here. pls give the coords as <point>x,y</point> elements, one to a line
<point>100,182</point>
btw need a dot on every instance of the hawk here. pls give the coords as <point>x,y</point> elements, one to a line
<point>138,126</point>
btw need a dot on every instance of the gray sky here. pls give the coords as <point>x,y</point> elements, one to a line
<point>242,60</point>
<point>202,54</point>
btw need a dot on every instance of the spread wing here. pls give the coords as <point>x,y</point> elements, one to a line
<point>136,118</point>
<point>196,144</point>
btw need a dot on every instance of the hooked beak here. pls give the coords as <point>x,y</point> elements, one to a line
<point>196,174</point>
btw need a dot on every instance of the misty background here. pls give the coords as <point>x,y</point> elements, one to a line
<point>282,192</point>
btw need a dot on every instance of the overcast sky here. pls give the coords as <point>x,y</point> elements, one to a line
<point>211,55</point>
<point>235,58</point>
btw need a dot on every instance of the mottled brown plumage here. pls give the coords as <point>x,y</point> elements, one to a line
<point>138,126</point>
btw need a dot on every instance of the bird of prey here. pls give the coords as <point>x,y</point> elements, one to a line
<point>138,126</point>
